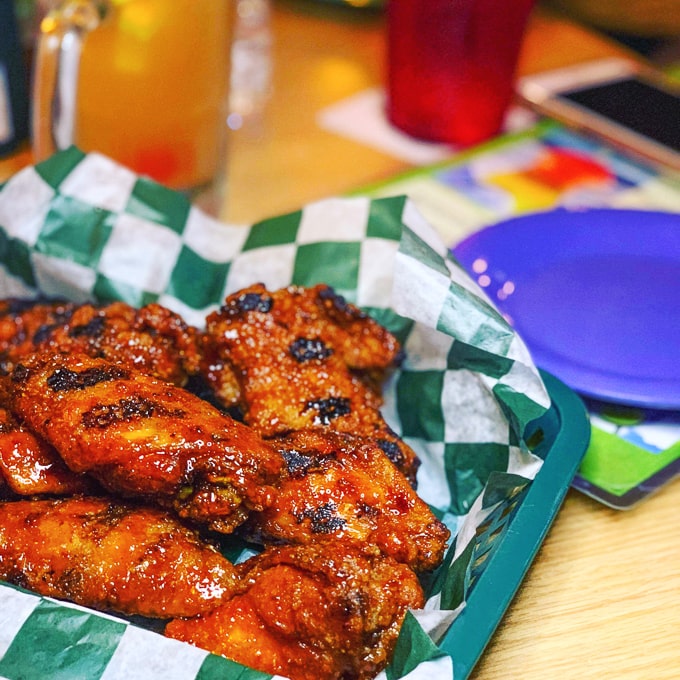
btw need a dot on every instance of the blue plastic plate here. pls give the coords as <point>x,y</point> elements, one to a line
<point>595,294</point>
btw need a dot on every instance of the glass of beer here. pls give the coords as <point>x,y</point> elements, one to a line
<point>145,82</point>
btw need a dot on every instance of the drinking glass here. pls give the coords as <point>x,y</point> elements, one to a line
<point>451,66</point>
<point>145,82</point>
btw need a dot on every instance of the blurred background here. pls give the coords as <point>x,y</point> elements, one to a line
<point>649,27</point>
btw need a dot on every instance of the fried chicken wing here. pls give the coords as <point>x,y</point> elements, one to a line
<point>299,355</point>
<point>24,322</point>
<point>310,612</point>
<point>29,466</point>
<point>342,488</point>
<point>152,339</point>
<point>107,555</point>
<point>146,438</point>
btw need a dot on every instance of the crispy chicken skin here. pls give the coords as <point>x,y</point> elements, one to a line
<point>310,612</point>
<point>342,488</point>
<point>107,555</point>
<point>301,356</point>
<point>152,339</point>
<point>143,437</point>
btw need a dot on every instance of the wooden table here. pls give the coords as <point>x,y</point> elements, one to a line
<point>602,599</point>
<point>321,55</point>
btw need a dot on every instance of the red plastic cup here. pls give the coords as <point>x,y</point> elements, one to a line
<point>451,66</point>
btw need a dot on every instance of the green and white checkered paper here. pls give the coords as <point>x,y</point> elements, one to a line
<point>82,227</point>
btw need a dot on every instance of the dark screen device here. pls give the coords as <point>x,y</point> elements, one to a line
<point>615,99</point>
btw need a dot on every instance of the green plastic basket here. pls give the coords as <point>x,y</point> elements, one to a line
<point>503,558</point>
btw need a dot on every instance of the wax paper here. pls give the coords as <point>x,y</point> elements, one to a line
<point>82,227</point>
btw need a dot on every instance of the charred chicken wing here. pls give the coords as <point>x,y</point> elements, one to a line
<point>23,323</point>
<point>310,612</point>
<point>152,339</point>
<point>342,488</point>
<point>301,356</point>
<point>106,555</point>
<point>146,438</point>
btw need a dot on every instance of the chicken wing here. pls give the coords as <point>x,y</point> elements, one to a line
<point>29,466</point>
<point>146,438</point>
<point>152,339</point>
<point>339,487</point>
<point>107,555</point>
<point>310,612</point>
<point>301,356</point>
<point>23,323</point>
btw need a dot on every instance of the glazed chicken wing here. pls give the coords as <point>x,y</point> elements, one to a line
<point>342,488</point>
<point>143,437</point>
<point>301,356</point>
<point>23,323</point>
<point>152,339</point>
<point>29,466</point>
<point>107,555</point>
<point>94,395</point>
<point>310,612</point>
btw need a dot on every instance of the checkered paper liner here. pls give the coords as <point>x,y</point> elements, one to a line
<point>82,227</point>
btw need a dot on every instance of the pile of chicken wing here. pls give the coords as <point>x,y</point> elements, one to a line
<point>131,443</point>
